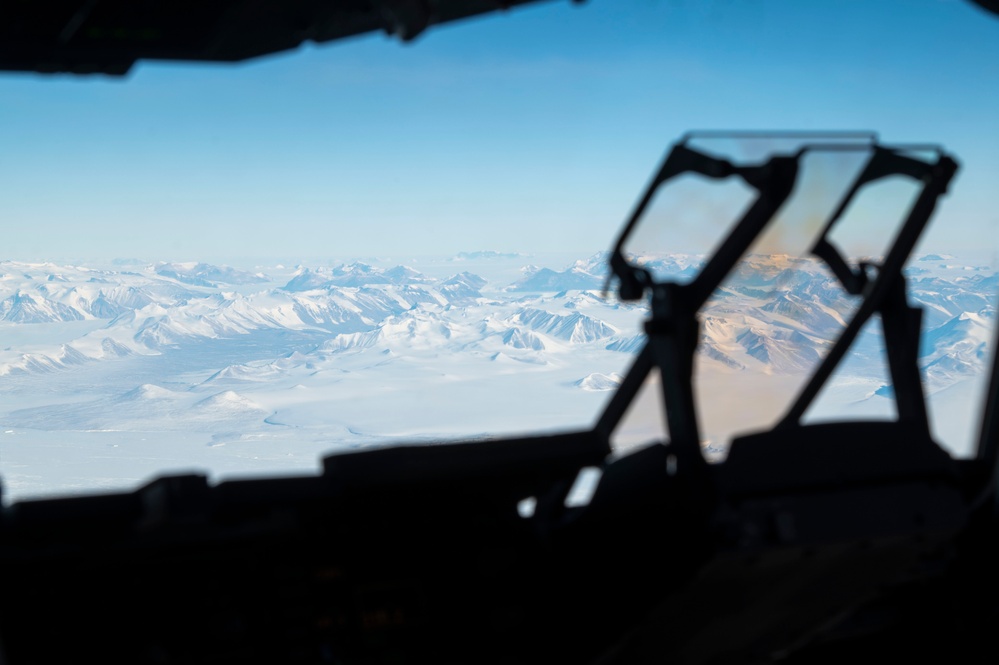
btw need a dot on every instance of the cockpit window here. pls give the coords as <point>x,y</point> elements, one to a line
<point>776,329</point>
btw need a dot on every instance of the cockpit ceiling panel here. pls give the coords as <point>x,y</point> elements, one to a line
<point>109,36</point>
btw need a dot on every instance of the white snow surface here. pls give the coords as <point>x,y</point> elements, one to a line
<point>109,377</point>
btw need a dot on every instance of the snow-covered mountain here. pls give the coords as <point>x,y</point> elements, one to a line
<point>204,274</point>
<point>362,352</point>
<point>585,274</point>
<point>773,314</point>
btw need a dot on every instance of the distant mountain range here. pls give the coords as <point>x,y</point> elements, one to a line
<point>774,314</point>
<point>359,353</point>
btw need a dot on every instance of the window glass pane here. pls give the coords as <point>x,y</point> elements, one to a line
<point>684,223</point>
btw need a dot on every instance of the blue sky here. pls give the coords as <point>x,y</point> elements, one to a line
<point>533,130</point>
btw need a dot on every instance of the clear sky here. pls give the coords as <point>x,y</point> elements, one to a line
<point>532,130</point>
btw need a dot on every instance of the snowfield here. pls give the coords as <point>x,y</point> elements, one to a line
<point>111,375</point>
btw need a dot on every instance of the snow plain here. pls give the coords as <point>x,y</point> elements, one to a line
<point>112,375</point>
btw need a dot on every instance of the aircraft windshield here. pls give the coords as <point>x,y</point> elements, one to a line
<point>785,311</point>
